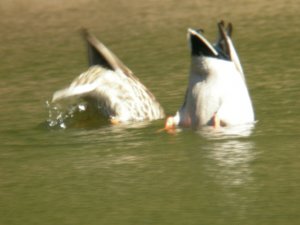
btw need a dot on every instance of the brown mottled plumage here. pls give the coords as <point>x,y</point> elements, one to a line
<point>110,85</point>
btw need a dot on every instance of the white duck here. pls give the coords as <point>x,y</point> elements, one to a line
<point>217,93</point>
<point>110,86</point>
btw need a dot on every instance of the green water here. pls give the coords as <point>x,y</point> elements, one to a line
<point>134,175</point>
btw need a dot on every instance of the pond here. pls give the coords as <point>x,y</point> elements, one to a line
<point>134,174</point>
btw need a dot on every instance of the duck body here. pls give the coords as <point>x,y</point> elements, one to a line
<point>111,87</point>
<point>117,96</point>
<point>217,93</point>
<point>215,88</point>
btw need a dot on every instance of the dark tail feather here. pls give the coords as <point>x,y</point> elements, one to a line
<point>200,46</point>
<point>99,54</point>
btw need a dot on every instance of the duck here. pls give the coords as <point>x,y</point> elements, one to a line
<point>217,93</point>
<point>110,86</point>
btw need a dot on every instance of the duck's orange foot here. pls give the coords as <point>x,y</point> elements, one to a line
<point>170,126</point>
<point>217,122</point>
<point>114,121</point>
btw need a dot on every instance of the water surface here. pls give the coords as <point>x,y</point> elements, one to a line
<point>133,174</point>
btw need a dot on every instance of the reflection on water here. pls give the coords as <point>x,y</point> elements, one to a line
<point>232,158</point>
<point>229,132</point>
<point>232,171</point>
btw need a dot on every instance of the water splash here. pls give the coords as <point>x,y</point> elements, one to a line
<point>80,114</point>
